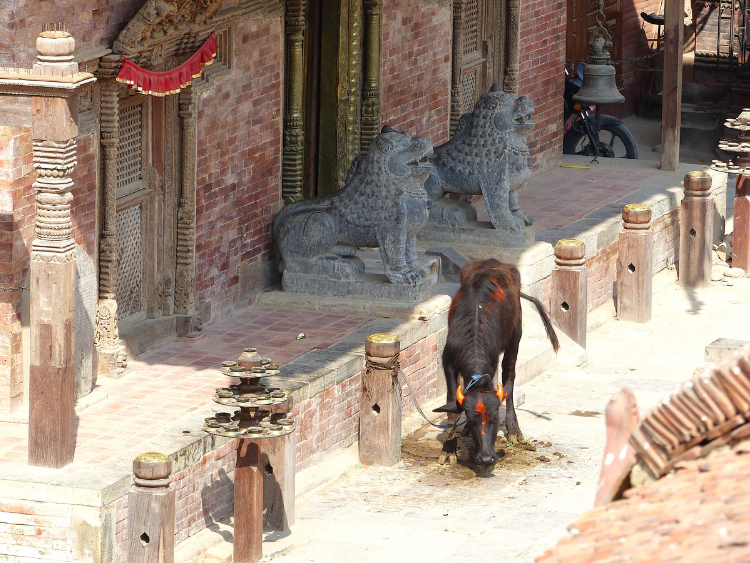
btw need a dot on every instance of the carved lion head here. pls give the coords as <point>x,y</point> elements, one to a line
<point>503,112</point>
<point>400,155</point>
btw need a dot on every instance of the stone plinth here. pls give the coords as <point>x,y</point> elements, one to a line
<point>369,285</point>
<point>480,233</point>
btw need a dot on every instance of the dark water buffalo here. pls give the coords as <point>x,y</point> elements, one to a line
<point>484,321</point>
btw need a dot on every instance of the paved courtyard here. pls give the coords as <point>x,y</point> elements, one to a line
<point>179,378</point>
<point>418,511</point>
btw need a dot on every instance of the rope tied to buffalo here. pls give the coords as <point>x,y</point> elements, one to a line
<point>392,364</point>
<point>373,363</point>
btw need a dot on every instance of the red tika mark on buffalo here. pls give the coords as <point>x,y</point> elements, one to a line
<point>482,410</point>
<point>498,294</point>
<point>453,304</point>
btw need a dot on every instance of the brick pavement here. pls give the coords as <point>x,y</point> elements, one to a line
<point>181,377</point>
<point>560,196</point>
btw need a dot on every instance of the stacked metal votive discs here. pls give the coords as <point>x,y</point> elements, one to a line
<point>256,417</point>
<point>739,146</point>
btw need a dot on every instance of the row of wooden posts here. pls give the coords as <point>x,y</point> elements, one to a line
<point>151,503</point>
<point>635,257</point>
<point>264,483</point>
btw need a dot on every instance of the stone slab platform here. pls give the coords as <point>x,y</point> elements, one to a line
<point>723,347</point>
<point>372,284</point>
<point>477,233</point>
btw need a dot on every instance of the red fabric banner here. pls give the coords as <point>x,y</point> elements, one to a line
<point>169,82</point>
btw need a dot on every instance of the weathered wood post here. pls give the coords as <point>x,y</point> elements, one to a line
<point>741,233</point>
<point>634,264</point>
<point>53,84</point>
<point>248,503</point>
<point>696,230</point>
<point>569,303</point>
<point>151,510</point>
<point>380,402</point>
<point>278,462</point>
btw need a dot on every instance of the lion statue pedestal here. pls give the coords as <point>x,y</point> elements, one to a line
<point>383,205</point>
<point>487,156</point>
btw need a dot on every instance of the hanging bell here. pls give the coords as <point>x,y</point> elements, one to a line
<point>599,87</point>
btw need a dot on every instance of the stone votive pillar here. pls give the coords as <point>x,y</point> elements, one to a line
<point>634,264</point>
<point>151,510</point>
<point>54,127</point>
<point>380,402</point>
<point>741,233</point>
<point>696,230</point>
<point>568,305</point>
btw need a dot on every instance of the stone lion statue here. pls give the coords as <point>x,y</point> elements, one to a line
<point>383,204</point>
<point>488,156</point>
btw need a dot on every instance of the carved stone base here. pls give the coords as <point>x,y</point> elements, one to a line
<point>480,233</point>
<point>111,362</point>
<point>190,326</point>
<point>369,285</point>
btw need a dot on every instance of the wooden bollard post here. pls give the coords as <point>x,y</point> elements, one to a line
<point>696,230</point>
<point>634,264</point>
<point>248,503</point>
<point>380,402</point>
<point>569,302</point>
<point>741,232</point>
<point>278,461</point>
<point>151,511</point>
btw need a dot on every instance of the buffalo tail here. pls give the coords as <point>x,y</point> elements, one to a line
<point>545,320</point>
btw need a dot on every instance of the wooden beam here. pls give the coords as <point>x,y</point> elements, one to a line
<point>671,102</point>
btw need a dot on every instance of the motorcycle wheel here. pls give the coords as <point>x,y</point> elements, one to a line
<point>615,141</point>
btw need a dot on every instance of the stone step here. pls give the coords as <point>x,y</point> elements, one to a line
<point>722,347</point>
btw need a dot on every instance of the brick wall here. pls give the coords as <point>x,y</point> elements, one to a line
<point>35,531</point>
<point>330,420</point>
<point>239,164</point>
<point>93,23</point>
<point>416,72</point>
<point>633,32</point>
<point>542,78</point>
<point>204,493</point>
<point>83,210</point>
<point>602,267</point>
<point>17,211</point>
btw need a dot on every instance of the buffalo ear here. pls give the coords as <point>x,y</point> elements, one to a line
<point>448,407</point>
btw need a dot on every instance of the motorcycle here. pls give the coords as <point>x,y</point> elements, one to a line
<point>590,130</point>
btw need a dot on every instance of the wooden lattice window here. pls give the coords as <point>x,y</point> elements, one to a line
<point>130,148</point>
<point>129,262</point>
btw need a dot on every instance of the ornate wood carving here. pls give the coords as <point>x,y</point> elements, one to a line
<point>354,58</point>
<point>110,353</point>
<point>371,89</point>
<point>457,57</point>
<point>163,28</point>
<point>294,133</point>
<point>510,84</point>
<point>184,292</point>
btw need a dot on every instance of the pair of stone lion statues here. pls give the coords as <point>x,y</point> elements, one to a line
<point>391,193</point>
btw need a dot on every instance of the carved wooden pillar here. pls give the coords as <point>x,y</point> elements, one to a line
<point>294,133</point>
<point>510,84</point>
<point>184,291</point>
<point>54,128</point>
<point>457,64</point>
<point>371,89</point>
<point>110,354</point>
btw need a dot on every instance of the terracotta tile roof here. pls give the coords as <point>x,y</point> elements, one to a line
<point>700,513</point>
<point>694,452</point>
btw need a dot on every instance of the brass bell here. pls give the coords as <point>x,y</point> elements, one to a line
<point>599,87</point>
